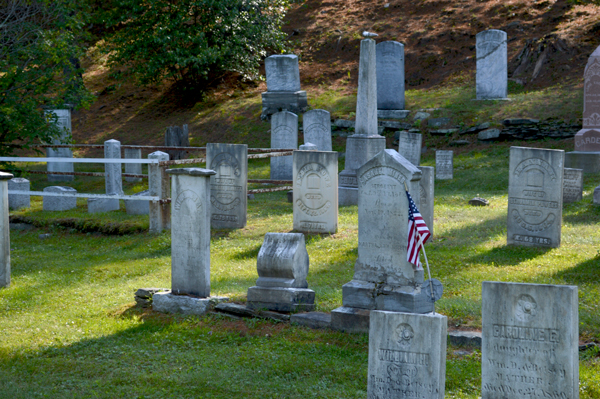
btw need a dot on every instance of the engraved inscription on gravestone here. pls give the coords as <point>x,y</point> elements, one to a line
<point>572,185</point>
<point>409,147</point>
<point>492,67</point>
<point>317,128</point>
<point>284,134</point>
<point>444,165</point>
<point>390,75</point>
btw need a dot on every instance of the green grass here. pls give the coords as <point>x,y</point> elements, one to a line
<point>70,327</point>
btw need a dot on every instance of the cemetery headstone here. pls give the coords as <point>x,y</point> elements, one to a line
<point>133,168</point>
<point>158,186</point>
<point>284,134</point>
<point>390,76</point>
<point>317,129</point>
<point>426,190</point>
<point>4,231</point>
<point>407,355</point>
<point>308,147</point>
<point>444,165</point>
<point>492,65</point>
<point>228,187</point>
<point>409,146</point>
<point>530,341</point>
<point>572,185</point>
<point>63,122</point>
<point>176,136</point>
<point>535,188</point>
<point>18,201</point>
<point>282,267</point>
<point>283,86</point>
<point>112,180</point>
<point>59,203</point>
<point>138,207</point>
<point>315,191</point>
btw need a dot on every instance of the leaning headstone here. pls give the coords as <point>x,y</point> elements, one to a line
<point>59,203</point>
<point>572,185</point>
<point>176,136</point>
<point>390,76</point>
<point>112,180</point>
<point>133,168</point>
<point>367,142</point>
<point>284,134</point>
<point>18,201</point>
<point>138,207</point>
<point>228,187</point>
<point>63,122</point>
<point>4,231</point>
<point>492,65</point>
<point>315,191</point>
<point>317,129</point>
<point>283,86</point>
<point>444,165</point>
<point>407,355</point>
<point>426,190</point>
<point>409,146</point>
<point>282,267</point>
<point>535,191</point>
<point>529,341</point>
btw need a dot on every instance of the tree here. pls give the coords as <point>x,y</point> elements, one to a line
<point>193,41</point>
<point>39,52</point>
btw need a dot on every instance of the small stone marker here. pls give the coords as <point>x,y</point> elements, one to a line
<point>409,146</point>
<point>63,122</point>
<point>284,134</point>
<point>530,341</point>
<point>315,191</point>
<point>478,201</point>
<point>113,180</point>
<point>283,86</point>
<point>18,201</point>
<point>535,187</point>
<point>317,129</point>
<point>407,355</point>
<point>390,76</point>
<point>572,185</point>
<point>4,231</point>
<point>492,66</point>
<point>228,188</point>
<point>59,203</point>
<point>426,191</point>
<point>444,165</point>
<point>176,136</point>
<point>282,267</point>
<point>138,207</point>
<point>133,168</point>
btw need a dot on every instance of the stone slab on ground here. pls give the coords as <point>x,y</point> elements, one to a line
<point>352,320</point>
<point>166,302</point>
<point>465,338</point>
<point>237,310</point>
<point>313,320</point>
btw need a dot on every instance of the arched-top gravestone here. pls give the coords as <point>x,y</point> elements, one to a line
<point>317,128</point>
<point>492,67</point>
<point>390,75</point>
<point>284,134</point>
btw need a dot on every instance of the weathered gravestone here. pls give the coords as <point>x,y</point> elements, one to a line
<point>572,185</point>
<point>426,190</point>
<point>317,128</point>
<point>529,341</point>
<point>283,86</point>
<point>62,118</point>
<point>59,203</point>
<point>407,355</point>
<point>18,201</point>
<point>133,168</point>
<point>113,180</point>
<point>282,267</point>
<point>444,165</point>
<point>492,66</point>
<point>176,136</point>
<point>409,146</point>
<point>383,278</point>
<point>366,143</point>
<point>587,141</point>
<point>390,76</point>
<point>535,187</point>
<point>284,134</point>
<point>315,191</point>
<point>4,231</point>
<point>228,187</point>
<point>138,207</point>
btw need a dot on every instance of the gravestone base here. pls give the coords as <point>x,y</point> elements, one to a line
<point>273,102</point>
<point>588,161</point>
<point>166,302</point>
<point>100,205</point>
<point>136,207</point>
<point>366,295</point>
<point>281,299</point>
<point>392,113</point>
<point>352,320</point>
<point>347,196</point>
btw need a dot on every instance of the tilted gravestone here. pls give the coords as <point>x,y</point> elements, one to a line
<point>492,65</point>
<point>59,203</point>
<point>426,191</point>
<point>133,168</point>
<point>62,119</point>
<point>535,188</point>
<point>572,185</point>
<point>317,129</point>
<point>407,355</point>
<point>409,146</point>
<point>444,165</point>
<point>530,338</point>
<point>283,86</point>
<point>4,231</point>
<point>18,201</point>
<point>113,180</point>
<point>284,134</point>
<point>282,267</point>
<point>390,76</point>
<point>176,136</point>
<point>315,191</point>
<point>228,187</point>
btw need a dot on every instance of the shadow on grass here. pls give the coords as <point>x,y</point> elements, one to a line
<point>508,255</point>
<point>585,272</point>
<point>472,234</point>
<point>581,213</point>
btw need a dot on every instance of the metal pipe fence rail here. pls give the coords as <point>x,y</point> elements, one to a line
<point>140,147</point>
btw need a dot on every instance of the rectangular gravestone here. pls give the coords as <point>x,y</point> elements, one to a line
<point>18,201</point>
<point>315,191</point>
<point>444,165</point>
<point>133,168</point>
<point>113,180</point>
<point>409,146</point>
<point>57,203</point>
<point>4,231</point>
<point>426,190</point>
<point>63,122</point>
<point>284,134</point>
<point>572,185</point>
<point>535,188</point>
<point>407,355</point>
<point>228,199</point>
<point>176,136</point>
<point>283,86</point>
<point>492,65</point>
<point>138,207</point>
<point>316,125</point>
<point>529,341</point>
<point>390,75</point>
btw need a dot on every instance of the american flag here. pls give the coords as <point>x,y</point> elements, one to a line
<point>417,231</point>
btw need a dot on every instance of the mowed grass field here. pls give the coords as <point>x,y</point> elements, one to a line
<point>70,328</point>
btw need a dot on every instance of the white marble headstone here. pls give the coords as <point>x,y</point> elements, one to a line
<point>284,134</point>
<point>63,122</point>
<point>492,66</point>
<point>317,128</point>
<point>444,165</point>
<point>572,185</point>
<point>283,73</point>
<point>409,146</point>
<point>390,75</point>
<point>426,191</point>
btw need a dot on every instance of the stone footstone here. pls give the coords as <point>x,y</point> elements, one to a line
<point>59,203</point>
<point>492,66</point>
<point>167,302</point>
<point>317,129</point>
<point>18,201</point>
<point>138,207</point>
<point>101,205</point>
<point>572,185</point>
<point>315,320</point>
<point>284,134</point>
